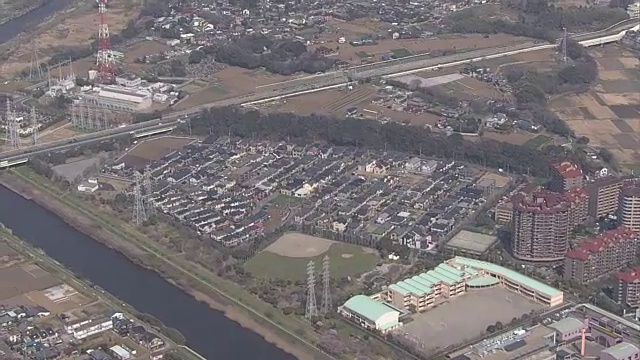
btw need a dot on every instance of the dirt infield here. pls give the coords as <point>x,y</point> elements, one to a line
<point>153,150</point>
<point>297,245</point>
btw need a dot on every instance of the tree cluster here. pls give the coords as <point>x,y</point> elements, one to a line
<point>532,88</point>
<point>539,20</point>
<point>284,57</point>
<point>368,134</point>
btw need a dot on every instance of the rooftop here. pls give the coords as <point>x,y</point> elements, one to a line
<point>367,307</point>
<point>544,201</point>
<point>568,170</point>
<point>601,242</point>
<point>622,350</point>
<point>629,276</point>
<point>508,273</point>
<point>567,325</point>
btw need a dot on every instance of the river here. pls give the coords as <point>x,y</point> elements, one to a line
<point>207,331</point>
<point>14,27</point>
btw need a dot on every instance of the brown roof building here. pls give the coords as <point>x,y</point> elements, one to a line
<point>604,196</point>
<point>627,287</point>
<point>601,255</point>
<point>542,222</point>
<point>565,176</point>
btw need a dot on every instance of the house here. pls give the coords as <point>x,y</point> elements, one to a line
<point>339,225</point>
<point>37,311</point>
<point>413,164</point>
<point>429,167</point>
<point>88,187</point>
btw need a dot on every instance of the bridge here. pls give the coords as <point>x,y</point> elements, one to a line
<point>310,84</point>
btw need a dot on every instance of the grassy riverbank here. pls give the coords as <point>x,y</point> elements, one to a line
<point>288,332</point>
<point>59,271</point>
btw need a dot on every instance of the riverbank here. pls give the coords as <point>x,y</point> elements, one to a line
<point>191,278</point>
<point>22,12</point>
<point>81,286</point>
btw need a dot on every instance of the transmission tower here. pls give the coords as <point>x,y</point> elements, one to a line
<point>35,70</point>
<point>564,46</point>
<point>105,60</point>
<point>13,136</point>
<point>326,280</point>
<point>311,309</point>
<point>139,212</point>
<point>34,125</point>
<point>148,192</point>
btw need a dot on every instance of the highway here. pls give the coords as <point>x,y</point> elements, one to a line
<point>310,84</point>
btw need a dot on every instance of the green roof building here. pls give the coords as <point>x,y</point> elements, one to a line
<point>370,314</point>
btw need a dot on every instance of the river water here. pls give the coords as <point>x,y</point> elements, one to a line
<point>12,28</point>
<point>207,331</point>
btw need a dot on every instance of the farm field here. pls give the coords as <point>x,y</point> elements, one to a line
<point>153,150</point>
<point>287,258</point>
<point>609,114</point>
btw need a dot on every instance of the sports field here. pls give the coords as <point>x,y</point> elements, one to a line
<point>288,257</point>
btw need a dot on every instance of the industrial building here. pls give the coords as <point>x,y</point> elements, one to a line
<point>446,281</point>
<point>601,255</point>
<point>119,98</point>
<point>629,206</point>
<point>627,287</point>
<point>621,351</point>
<point>543,221</point>
<point>565,176</point>
<point>604,196</point>
<point>371,314</point>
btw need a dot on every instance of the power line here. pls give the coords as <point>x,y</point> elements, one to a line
<point>139,212</point>
<point>148,192</point>
<point>34,125</point>
<point>13,135</point>
<point>326,282</point>
<point>311,308</point>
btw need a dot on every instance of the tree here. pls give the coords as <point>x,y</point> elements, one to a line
<point>196,57</point>
<point>491,329</point>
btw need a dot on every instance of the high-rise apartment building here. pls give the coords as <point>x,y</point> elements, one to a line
<point>565,176</point>
<point>604,196</point>
<point>543,221</point>
<point>627,287</point>
<point>629,206</point>
<point>601,255</point>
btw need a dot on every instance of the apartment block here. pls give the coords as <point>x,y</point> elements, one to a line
<point>627,287</point>
<point>629,206</point>
<point>604,196</point>
<point>565,176</point>
<point>543,221</point>
<point>601,255</point>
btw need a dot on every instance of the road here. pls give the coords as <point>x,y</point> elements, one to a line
<point>303,85</point>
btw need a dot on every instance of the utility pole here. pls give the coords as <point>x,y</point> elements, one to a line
<point>13,136</point>
<point>564,46</point>
<point>35,70</point>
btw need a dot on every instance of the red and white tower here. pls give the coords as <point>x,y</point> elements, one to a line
<point>105,60</point>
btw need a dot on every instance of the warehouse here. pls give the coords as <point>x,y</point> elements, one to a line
<point>119,98</point>
<point>370,314</point>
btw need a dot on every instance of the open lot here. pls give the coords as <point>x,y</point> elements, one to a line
<point>153,150</point>
<point>21,279</point>
<point>408,47</point>
<point>466,317</point>
<point>288,257</point>
<point>609,115</point>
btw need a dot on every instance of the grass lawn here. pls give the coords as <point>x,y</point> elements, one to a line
<point>537,141</point>
<point>400,53</point>
<point>285,201</point>
<point>363,55</point>
<point>271,265</point>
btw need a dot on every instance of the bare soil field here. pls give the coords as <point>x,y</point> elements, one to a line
<point>153,150</point>
<point>516,138</point>
<point>237,81</point>
<point>202,96</point>
<point>18,280</point>
<point>609,114</point>
<point>348,52</point>
<point>469,89</point>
